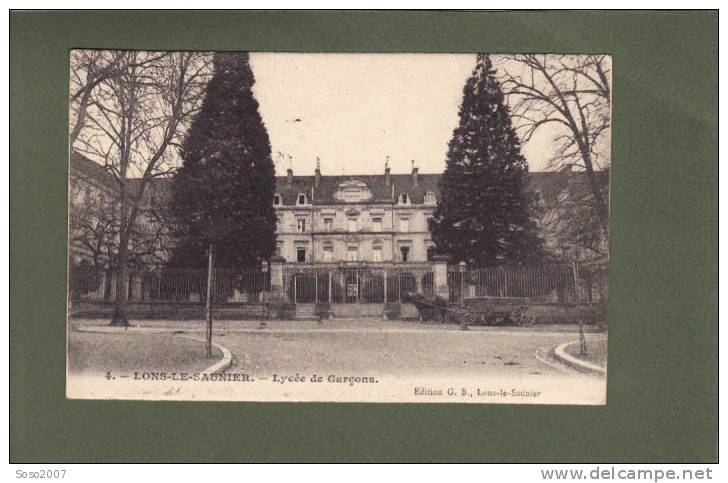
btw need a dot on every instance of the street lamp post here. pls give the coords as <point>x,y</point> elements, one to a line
<point>208,305</point>
<point>582,338</point>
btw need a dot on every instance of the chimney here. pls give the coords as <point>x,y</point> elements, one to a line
<point>317,182</point>
<point>387,181</point>
<point>415,171</point>
<point>290,177</point>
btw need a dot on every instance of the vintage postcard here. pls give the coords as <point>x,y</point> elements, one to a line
<point>408,228</point>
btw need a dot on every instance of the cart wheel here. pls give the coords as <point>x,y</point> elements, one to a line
<point>521,316</point>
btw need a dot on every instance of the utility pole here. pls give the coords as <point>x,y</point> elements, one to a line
<point>208,307</point>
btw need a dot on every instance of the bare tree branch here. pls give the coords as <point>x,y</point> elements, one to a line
<point>132,109</point>
<point>571,93</point>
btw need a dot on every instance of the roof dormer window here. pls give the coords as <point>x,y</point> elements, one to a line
<point>276,200</point>
<point>430,198</point>
<point>301,199</point>
<point>404,199</point>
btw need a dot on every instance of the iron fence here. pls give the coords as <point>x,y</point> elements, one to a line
<point>356,285</point>
<point>91,285</point>
<point>173,286</point>
<point>543,283</point>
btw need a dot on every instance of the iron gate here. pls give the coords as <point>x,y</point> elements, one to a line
<point>357,291</point>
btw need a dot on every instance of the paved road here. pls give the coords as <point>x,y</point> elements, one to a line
<point>397,348</point>
<point>325,325</point>
<point>398,353</point>
<point>389,363</point>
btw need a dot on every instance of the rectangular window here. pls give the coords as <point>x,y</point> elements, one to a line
<point>404,251</point>
<point>301,225</point>
<point>404,225</point>
<point>279,249</point>
<point>276,200</point>
<point>377,253</point>
<point>328,224</point>
<point>301,199</point>
<point>352,224</point>
<point>377,223</point>
<point>352,253</point>
<point>430,224</point>
<point>328,253</point>
<point>301,255</point>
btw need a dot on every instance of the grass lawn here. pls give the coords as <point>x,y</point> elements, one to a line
<point>596,352</point>
<point>90,352</point>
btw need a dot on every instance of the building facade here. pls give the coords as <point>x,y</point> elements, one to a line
<point>94,218</point>
<point>387,218</point>
<point>368,218</point>
<point>322,219</point>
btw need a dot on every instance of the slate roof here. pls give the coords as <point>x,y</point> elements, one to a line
<point>548,184</point>
<point>381,192</point>
<point>96,173</point>
<point>82,166</point>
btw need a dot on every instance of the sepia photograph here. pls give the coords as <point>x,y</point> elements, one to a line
<point>354,227</point>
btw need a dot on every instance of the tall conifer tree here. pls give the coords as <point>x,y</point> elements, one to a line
<point>223,193</point>
<point>483,217</point>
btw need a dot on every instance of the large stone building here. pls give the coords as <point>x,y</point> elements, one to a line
<point>387,217</point>
<point>321,218</point>
<point>363,239</point>
<point>94,218</point>
<point>366,218</point>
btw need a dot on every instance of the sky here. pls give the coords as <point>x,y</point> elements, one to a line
<point>353,110</point>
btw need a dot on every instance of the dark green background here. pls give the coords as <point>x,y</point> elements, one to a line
<point>662,396</point>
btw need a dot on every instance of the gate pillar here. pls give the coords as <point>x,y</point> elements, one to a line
<point>439,276</point>
<point>112,287</point>
<point>135,279</point>
<point>277,289</point>
<point>100,292</point>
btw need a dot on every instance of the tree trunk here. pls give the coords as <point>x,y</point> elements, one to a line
<point>80,116</point>
<point>602,208</point>
<point>120,318</point>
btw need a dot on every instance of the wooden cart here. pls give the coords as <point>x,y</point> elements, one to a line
<point>489,310</point>
<point>500,311</point>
